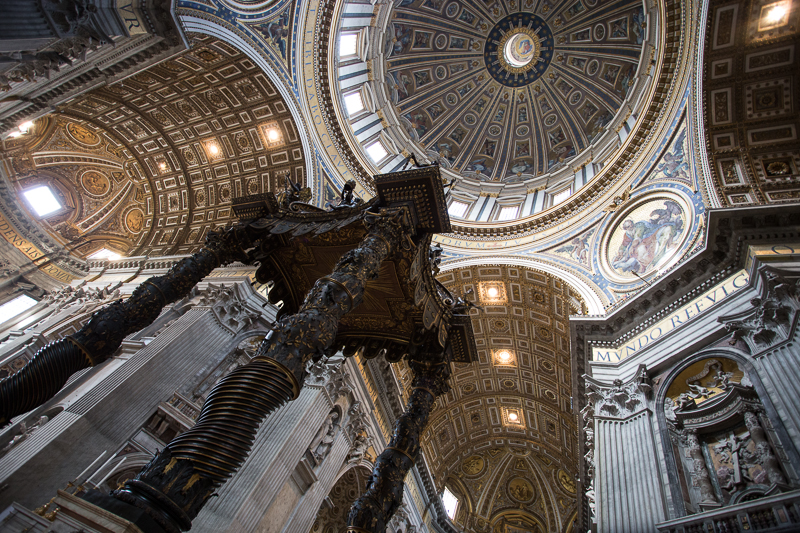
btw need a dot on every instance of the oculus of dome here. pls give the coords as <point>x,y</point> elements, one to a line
<point>518,49</point>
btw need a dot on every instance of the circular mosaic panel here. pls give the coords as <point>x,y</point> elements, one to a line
<point>647,236</point>
<point>518,49</point>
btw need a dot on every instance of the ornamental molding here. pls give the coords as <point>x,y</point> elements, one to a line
<point>619,400</point>
<point>772,315</point>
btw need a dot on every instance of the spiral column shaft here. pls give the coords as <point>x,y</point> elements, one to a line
<point>384,493</point>
<point>50,368</point>
<point>175,485</point>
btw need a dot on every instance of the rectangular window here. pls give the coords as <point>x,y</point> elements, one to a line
<point>353,103</point>
<point>105,253</point>
<point>508,212</point>
<point>561,196</point>
<point>457,209</point>
<point>42,200</point>
<point>450,503</point>
<point>347,44</point>
<point>377,152</point>
<point>16,306</point>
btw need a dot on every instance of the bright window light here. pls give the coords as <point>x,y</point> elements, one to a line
<point>42,200</point>
<point>560,197</point>
<point>376,151</point>
<point>354,103</point>
<point>105,253</point>
<point>347,44</point>
<point>457,209</point>
<point>508,212</point>
<point>16,306</point>
<point>450,503</point>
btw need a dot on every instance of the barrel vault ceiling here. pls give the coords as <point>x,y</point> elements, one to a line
<point>149,165</point>
<point>504,439</point>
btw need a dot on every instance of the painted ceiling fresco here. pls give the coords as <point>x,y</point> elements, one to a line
<point>499,90</point>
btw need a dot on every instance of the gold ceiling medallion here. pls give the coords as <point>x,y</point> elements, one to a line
<point>519,50</point>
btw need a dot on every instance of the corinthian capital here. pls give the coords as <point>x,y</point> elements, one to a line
<point>620,399</point>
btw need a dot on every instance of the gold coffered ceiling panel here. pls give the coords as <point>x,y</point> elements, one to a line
<point>750,91</point>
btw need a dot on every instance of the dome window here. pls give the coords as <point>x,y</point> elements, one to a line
<point>354,103</point>
<point>508,212</point>
<point>450,503</point>
<point>42,200</point>
<point>348,44</point>
<point>377,151</point>
<point>561,196</point>
<point>457,209</point>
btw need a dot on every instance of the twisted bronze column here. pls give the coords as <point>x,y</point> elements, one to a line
<point>44,375</point>
<point>175,485</point>
<point>384,493</point>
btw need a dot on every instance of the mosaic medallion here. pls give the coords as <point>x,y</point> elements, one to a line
<point>518,49</point>
<point>647,236</point>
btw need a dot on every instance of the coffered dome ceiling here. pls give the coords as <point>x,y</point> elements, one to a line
<point>508,90</point>
<point>508,96</point>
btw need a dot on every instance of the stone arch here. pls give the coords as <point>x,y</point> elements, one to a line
<point>332,515</point>
<point>592,296</point>
<point>692,372</point>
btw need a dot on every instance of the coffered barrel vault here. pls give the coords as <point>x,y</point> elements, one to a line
<point>510,415</point>
<point>149,165</point>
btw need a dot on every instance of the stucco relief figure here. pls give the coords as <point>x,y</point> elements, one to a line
<point>644,244</point>
<point>472,465</point>
<point>95,183</point>
<point>323,440</point>
<point>134,220</point>
<point>361,444</point>
<point>520,490</point>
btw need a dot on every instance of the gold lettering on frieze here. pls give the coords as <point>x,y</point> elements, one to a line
<point>33,253</point>
<point>673,321</point>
